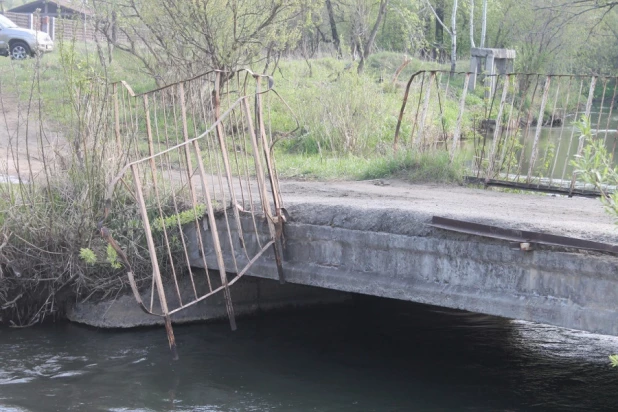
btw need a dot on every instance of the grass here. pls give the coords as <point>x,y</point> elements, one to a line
<point>55,76</point>
<point>413,167</point>
<point>347,120</point>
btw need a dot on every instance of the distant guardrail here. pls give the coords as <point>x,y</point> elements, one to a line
<point>515,129</point>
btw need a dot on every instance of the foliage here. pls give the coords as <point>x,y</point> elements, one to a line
<point>50,222</point>
<point>88,256</point>
<point>177,40</point>
<point>181,218</point>
<point>594,166</point>
<point>112,257</point>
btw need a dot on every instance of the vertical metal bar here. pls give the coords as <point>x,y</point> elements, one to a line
<point>568,155</point>
<point>421,130</point>
<point>539,126</point>
<point>566,106</point>
<point>509,127</point>
<point>418,107</point>
<point>153,259</point>
<point>262,187</point>
<point>215,238</point>
<point>401,112</point>
<point>266,149</point>
<point>517,124</point>
<point>172,176</point>
<point>462,104</point>
<point>226,160</point>
<point>580,146</point>
<point>185,132</point>
<point>497,130</point>
<point>274,186</point>
<point>247,179</point>
<point>153,171</point>
<point>602,103</point>
<point>611,109</point>
<point>551,128</point>
<point>435,141</point>
<point>278,221</point>
<point>528,123</point>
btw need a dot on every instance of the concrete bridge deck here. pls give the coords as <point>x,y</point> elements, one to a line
<point>576,217</point>
<point>373,238</point>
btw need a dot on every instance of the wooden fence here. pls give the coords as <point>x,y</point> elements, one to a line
<point>58,28</point>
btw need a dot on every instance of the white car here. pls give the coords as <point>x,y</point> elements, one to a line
<point>22,43</point>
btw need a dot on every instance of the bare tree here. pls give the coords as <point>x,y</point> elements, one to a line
<point>484,24</point>
<point>579,7</point>
<point>452,31</point>
<point>472,24</point>
<point>177,39</point>
<point>333,28</point>
<point>366,42</point>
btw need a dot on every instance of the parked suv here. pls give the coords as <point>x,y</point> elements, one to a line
<point>21,43</point>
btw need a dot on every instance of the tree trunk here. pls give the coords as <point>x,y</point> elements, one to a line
<point>472,23</point>
<point>440,18</point>
<point>333,28</point>
<point>454,37</point>
<point>484,24</point>
<point>374,31</point>
<point>114,36</point>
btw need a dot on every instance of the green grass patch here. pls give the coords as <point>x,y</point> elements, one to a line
<point>428,167</point>
<point>55,77</point>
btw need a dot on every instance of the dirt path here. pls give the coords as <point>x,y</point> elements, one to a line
<point>25,147</point>
<point>21,138</point>
<point>576,217</point>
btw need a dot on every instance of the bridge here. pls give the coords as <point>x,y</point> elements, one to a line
<point>203,183</point>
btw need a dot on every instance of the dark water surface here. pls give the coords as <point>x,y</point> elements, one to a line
<point>373,355</point>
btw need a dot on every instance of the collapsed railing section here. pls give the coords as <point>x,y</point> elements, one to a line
<point>200,161</point>
<point>519,130</point>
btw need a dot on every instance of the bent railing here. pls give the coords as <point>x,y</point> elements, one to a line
<point>516,130</point>
<point>199,157</point>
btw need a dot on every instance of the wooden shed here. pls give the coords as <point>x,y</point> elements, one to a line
<point>55,8</point>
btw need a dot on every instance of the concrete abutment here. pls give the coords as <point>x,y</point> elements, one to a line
<point>395,254</point>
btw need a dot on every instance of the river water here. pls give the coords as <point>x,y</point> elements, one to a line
<point>372,355</point>
<point>557,145</point>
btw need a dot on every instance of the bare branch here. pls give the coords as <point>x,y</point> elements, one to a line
<point>438,18</point>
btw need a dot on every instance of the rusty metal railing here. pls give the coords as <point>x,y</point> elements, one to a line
<point>515,129</point>
<point>199,158</point>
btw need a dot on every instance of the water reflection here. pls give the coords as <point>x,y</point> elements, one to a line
<point>557,145</point>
